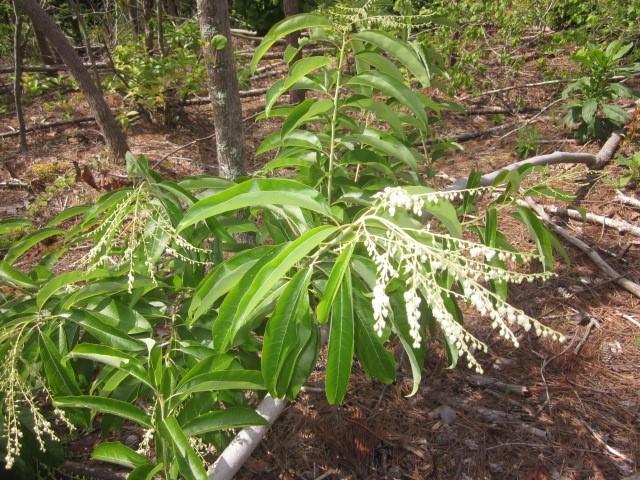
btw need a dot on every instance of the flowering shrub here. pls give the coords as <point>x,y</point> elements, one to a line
<point>172,324</point>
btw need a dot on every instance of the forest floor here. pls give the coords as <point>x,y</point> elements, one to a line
<point>543,411</point>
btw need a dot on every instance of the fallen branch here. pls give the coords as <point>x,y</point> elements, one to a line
<point>626,200</point>
<point>615,277</point>
<point>52,68</point>
<point>465,137</point>
<point>620,225</point>
<point>593,323</point>
<point>625,469</point>
<point>482,381</point>
<point>517,87</point>
<point>245,442</point>
<point>182,147</point>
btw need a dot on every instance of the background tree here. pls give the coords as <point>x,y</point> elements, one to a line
<point>291,7</point>
<point>213,17</point>
<point>17,81</point>
<point>111,130</point>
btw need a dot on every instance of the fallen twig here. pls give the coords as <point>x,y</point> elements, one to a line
<point>625,469</point>
<point>516,87</point>
<point>593,323</point>
<point>482,381</point>
<point>620,225</point>
<point>625,283</point>
<point>627,200</point>
<point>182,147</point>
<point>52,68</point>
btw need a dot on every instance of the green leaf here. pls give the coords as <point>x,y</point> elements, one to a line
<point>539,233</point>
<point>386,144</point>
<point>15,277</point>
<point>341,344</point>
<point>393,88</point>
<point>615,113</point>
<point>104,332</point>
<point>22,246</point>
<point>280,338</point>
<point>443,210</point>
<point>106,405</point>
<point>285,27</point>
<point>146,472</point>
<point>333,283</point>
<point>299,69</point>
<point>61,380</point>
<point>381,64</point>
<point>222,380</point>
<point>9,225</point>
<point>62,280</point>
<point>255,192</point>
<point>119,454</point>
<point>223,278</point>
<point>377,361</point>
<point>233,417</point>
<point>589,110</point>
<point>191,467</point>
<point>111,356</point>
<point>295,138</point>
<point>67,214</point>
<point>401,327</point>
<point>235,310</point>
<point>103,288</point>
<point>305,111</point>
<point>398,49</point>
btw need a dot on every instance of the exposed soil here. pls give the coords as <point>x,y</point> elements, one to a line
<point>578,413</point>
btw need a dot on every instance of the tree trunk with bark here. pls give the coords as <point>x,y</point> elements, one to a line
<point>147,13</point>
<point>47,56</point>
<point>213,16</point>
<point>111,130</point>
<point>290,8</point>
<point>17,82</point>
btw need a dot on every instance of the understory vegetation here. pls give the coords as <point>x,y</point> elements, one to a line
<point>176,304</point>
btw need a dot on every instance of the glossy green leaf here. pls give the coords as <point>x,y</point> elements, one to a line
<point>386,144</point>
<point>61,380</point>
<point>341,344</point>
<point>222,380</point>
<point>9,225</point>
<point>589,110</point>
<point>305,111</point>
<point>398,49</point>
<point>235,311</point>
<point>67,214</point>
<point>10,275</point>
<point>63,280</point>
<point>115,358</point>
<point>232,417</point>
<point>299,69</point>
<point>280,338</point>
<point>191,467</point>
<point>23,245</point>
<point>106,405</point>
<point>340,267</point>
<point>285,27</point>
<point>104,332</point>
<point>119,454</point>
<point>254,192</point>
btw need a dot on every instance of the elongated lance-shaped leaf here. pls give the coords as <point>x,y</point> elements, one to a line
<point>398,49</point>
<point>304,112</point>
<point>10,275</point>
<point>222,380</point>
<point>222,279</point>
<point>393,88</point>
<point>285,27</point>
<point>190,465</point>
<point>233,417</point>
<point>333,283</point>
<point>376,360</point>
<point>106,405</point>
<point>8,225</point>
<point>119,454</point>
<point>105,333</point>
<point>402,329</point>
<point>114,358</point>
<point>62,280</point>
<point>386,144</point>
<point>234,315</point>
<point>341,343</point>
<point>280,337</point>
<point>299,69</point>
<point>23,245</point>
<point>257,192</point>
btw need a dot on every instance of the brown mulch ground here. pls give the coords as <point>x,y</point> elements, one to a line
<point>578,415</point>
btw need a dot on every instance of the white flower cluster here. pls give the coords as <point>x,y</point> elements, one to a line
<point>16,393</point>
<point>140,222</point>
<point>422,259</point>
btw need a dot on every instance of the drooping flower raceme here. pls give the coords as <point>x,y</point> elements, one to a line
<point>435,266</point>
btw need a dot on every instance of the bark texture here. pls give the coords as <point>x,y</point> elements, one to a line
<point>17,82</point>
<point>213,17</point>
<point>111,130</point>
<point>290,8</point>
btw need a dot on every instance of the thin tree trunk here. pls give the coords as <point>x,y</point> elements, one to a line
<point>17,83</point>
<point>85,40</point>
<point>47,56</point>
<point>134,17</point>
<point>290,7</point>
<point>147,13</point>
<point>111,130</point>
<point>213,16</point>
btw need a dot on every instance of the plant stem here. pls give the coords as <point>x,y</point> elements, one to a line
<point>334,117</point>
